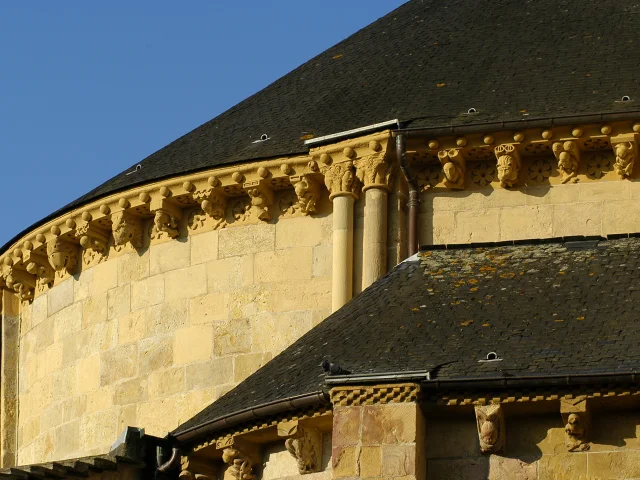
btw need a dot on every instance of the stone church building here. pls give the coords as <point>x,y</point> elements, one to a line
<point>416,256</point>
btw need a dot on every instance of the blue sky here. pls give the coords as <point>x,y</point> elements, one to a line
<point>89,88</point>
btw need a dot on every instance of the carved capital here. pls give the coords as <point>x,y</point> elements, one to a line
<point>195,468</point>
<point>577,420</point>
<point>94,242</point>
<point>453,167</point>
<point>304,444</point>
<point>508,164</point>
<point>568,156</point>
<point>491,428</point>
<point>625,149</point>
<point>214,203</point>
<point>240,463</point>
<point>341,179</point>
<point>63,256</point>
<point>261,197</point>
<point>126,228</point>
<point>307,191</point>
<point>375,171</point>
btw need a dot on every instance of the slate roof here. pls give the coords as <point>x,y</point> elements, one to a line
<point>545,308</point>
<point>426,64</point>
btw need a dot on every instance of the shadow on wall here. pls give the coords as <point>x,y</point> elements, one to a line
<point>535,448</point>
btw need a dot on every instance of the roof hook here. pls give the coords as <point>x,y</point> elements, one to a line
<point>138,168</point>
<point>491,357</point>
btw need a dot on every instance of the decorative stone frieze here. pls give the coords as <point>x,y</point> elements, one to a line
<point>491,428</point>
<point>508,164</point>
<point>625,149</point>
<point>304,444</point>
<point>127,229</point>
<point>453,167</point>
<point>94,241</point>
<point>374,394</point>
<point>307,192</point>
<point>568,156</point>
<point>63,256</point>
<point>483,174</point>
<point>341,179</point>
<point>240,463</point>
<point>261,200</point>
<point>196,468</point>
<point>577,420</point>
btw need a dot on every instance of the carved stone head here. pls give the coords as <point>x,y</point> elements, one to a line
<point>491,431</point>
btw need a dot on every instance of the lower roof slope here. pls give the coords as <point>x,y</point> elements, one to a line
<point>544,308</point>
<point>426,64</point>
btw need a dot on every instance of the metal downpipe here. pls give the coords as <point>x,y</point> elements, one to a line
<point>414,195</point>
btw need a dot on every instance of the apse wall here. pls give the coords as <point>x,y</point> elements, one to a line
<point>598,203</point>
<point>149,338</point>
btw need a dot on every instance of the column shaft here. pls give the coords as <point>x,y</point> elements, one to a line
<point>375,235</point>
<point>9,378</point>
<point>342,278</point>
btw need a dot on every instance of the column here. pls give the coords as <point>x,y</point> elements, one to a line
<point>376,173</point>
<point>340,179</point>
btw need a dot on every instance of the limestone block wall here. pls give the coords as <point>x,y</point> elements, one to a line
<point>551,209</point>
<point>149,338</point>
<point>535,449</point>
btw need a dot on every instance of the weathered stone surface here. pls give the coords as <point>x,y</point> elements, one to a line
<point>562,466</point>
<point>232,337</point>
<point>218,371</point>
<point>131,391</point>
<point>67,322</point>
<point>94,310</point>
<point>389,424</point>
<point>88,374</point>
<point>345,462</point>
<point>616,465</point>
<point>300,232</point>
<point>346,425</point>
<point>169,256</point>
<point>167,317</point>
<point>118,301</point>
<point>322,261</point>
<point>474,468</point>
<point>230,274</point>
<point>74,407</point>
<point>246,239</point>
<point>133,267</point>
<point>155,353</point>
<point>147,292</point>
<point>105,277</point>
<point>132,327</point>
<point>245,365</point>
<point>60,297</point>
<point>398,460</point>
<point>291,263</point>
<point>193,344</point>
<point>503,468</point>
<point>370,461</point>
<point>166,382</point>
<point>209,308</point>
<point>118,363</point>
<point>185,283</point>
<point>522,222</point>
<point>204,247</point>
<point>67,439</point>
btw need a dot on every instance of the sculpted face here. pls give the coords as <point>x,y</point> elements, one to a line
<point>451,172</point>
<point>506,168</point>
<point>489,433</point>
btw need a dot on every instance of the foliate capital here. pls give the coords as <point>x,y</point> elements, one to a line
<point>375,171</point>
<point>94,242</point>
<point>341,179</point>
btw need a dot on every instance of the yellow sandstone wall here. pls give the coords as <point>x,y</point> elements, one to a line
<point>535,449</point>
<point>551,209</point>
<point>150,338</point>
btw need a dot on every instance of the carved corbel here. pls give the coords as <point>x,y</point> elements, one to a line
<point>508,164</point>
<point>340,179</point>
<point>453,167</point>
<point>307,192</point>
<point>213,202</point>
<point>568,156</point>
<point>304,444</point>
<point>39,266</point>
<point>93,240</point>
<point>577,420</point>
<point>375,170</point>
<point>196,468</point>
<point>491,428</point>
<point>20,281</point>
<point>241,464</point>
<point>166,219</point>
<point>625,149</point>
<point>261,196</point>
<point>126,228</point>
<point>63,256</point>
